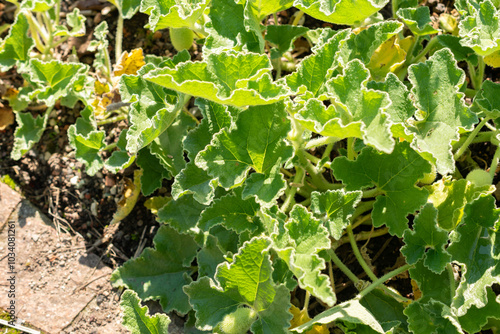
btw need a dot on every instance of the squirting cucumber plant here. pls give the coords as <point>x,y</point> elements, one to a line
<point>293,160</point>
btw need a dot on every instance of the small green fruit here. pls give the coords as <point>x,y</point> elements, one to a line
<point>181,38</point>
<point>239,321</point>
<point>479,178</point>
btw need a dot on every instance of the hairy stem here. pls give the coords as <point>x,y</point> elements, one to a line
<point>292,190</point>
<point>358,255</point>
<point>119,37</point>
<point>342,266</point>
<point>320,141</point>
<point>384,278</point>
<point>469,139</point>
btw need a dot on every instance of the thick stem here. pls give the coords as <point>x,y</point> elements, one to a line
<point>382,279</point>
<point>342,266</point>
<point>395,7</point>
<point>495,162</point>
<point>292,190</point>
<point>358,255</point>
<point>119,37</point>
<point>426,50</point>
<point>372,193</point>
<point>365,235</point>
<point>112,120</point>
<point>362,208</point>
<point>320,141</point>
<point>469,139</point>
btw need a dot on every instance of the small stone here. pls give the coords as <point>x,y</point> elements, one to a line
<point>35,237</point>
<point>74,180</point>
<point>112,191</point>
<point>109,181</point>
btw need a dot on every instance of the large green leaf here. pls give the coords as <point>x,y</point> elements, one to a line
<point>340,11</point>
<point>17,45</point>
<point>476,318</point>
<point>450,197</point>
<point>153,171</point>
<point>427,241</point>
<point>265,188</point>
<point>442,110</point>
<point>182,214</point>
<point>194,180</point>
<point>335,207</point>
<point>488,99</point>
<point>172,13</point>
<point>306,237</point>
<point>136,318</point>
<point>394,174</point>
<point>233,213</point>
<point>433,286</point>
<point>481,29</point>
<point>246,281</point>
<point>256,141</point>
<point>432,317</point>
<point>282,36</point>
<point>241,79</point>
<point>313,71</point>
<point>153,108</point>
<point>474,245</point>
<point>55,79</point>
<point>160,273</point>
<point>28,132</point>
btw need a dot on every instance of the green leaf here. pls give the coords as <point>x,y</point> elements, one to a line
<point>182,214</point>
<point>55,78</point>
<point>473,245</point>
<point>356,104</point>
<point>283,36</point>
<point>265,189</point>
<point>365,43</point>
<point>233,213</point>
<point>38,5</point>
<point>209,257</point>
<point>450,197</point>
<point>487,99</point>
<point>256,141</point>
<point>153,109</point>
<point>418,20</point>
<point>77,23</point>
<point>246,281</point>
<point>17,45</point>
<point>351,311</point>
<point>172,13</point>
<point>433,286</point>
<point>314,70</point>
<point>432,317</point>
<point>476,318</point>
<point>215,118</point>
<point>335,208</point>
<point>166,146</point>
<point>154,171</point>
<point>196,181</point>
<point>127,8</point>
<point>231,27</point>
<point>136,318</point>
<point>306,238</point>
<point>160,273</point>
<point>459,51</point>
<point>120,159</point>
<point>340,11</point>
<point>481,29</point>
<point>401,108</point>
<point>442,110</point>
<point>28,132</point>
<point>87,141</point>
<point>261,9</point>
<point>394,174</point>
<point>427,241</point>
<point>241,79</point>
<point>387,311</point>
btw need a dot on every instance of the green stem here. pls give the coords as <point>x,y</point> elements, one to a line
<point>362,208</point>
<point>426,50</point>
<point>471,93</point>
<point>382,279</point>
<point>292,190</point>
<point>351,155</point>
<point>358,255</point>
<point>313,158</point>
<point>342,266</point>
<point>297,18</point>
<point>495,162</point>
<point>327,151</point>
<point>395,7</point>
<point>112,120</point>
<point>480,138</point>
<point>306,301</point>
<point>320,141</point>
<point>469,139</point>
<point>365,235</point>
<point>372,192</point>
<point>109,147</point>
<point>479,74</point>
<point>119,37</point>
<point>360,221</point>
